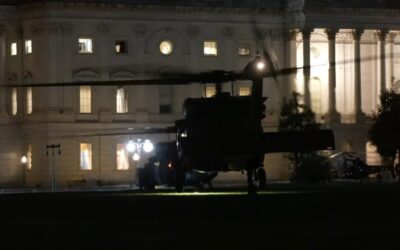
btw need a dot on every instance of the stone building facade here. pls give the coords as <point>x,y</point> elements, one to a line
<point>353,49</point>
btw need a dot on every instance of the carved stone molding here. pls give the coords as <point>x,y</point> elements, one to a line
<point>192,31</point>
<point>140,30</point>
<point>331,33</point>
<point>40,29</point>
<point>103,28</point>
<point>390,37</point>
<point>228,32</point>
<point>357,33</point>
<point>3,30</point>
<point>306,33</point>
<point>381,34</point>
<point>290,35</point>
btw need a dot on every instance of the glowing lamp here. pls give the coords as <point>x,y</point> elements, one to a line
<point>131,147</point>
<point>136,157</point>
<point>24,159</point>
<point>260,65</point>
<point>148,146</point>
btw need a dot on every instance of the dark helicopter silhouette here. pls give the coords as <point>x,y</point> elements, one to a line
<point>222,133</point>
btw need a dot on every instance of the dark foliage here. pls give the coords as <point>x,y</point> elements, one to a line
<point>384,131</point>
<point>308,166</point>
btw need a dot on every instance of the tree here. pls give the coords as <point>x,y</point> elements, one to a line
<point>308,166</point>
<point>384,132</point>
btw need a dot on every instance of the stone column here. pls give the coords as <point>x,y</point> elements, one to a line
<point>3,63</point>
<point>290,53</point>
<point>359,115</point>
<point>333,116</point>
<point>306,64</point>
<point>382,58</point>
<point>390,43</point>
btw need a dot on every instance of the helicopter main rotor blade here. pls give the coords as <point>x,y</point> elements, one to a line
<point>208,77</point>
<point>168,130</point>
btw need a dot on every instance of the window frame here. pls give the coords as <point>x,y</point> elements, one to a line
<point>240,43</point>
<point>90,155</point>
<point>92,45</point>
<point>26,51</point>
<point>125,102</point>
<point>123,146</point>
<point>216,47</point>
<point>126,47</point>
<point>11,48</point>
<point>81,111</point>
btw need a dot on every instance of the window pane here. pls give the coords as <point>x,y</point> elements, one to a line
<point>122,157</point>
<point>122,101</point>
<point>121,47</point>
<point>85,46</point>
<point>86,156</point>
<point>210,91</point>
<point>85,99</point>
<point>14,49</point>
<point>29,157</point>
<point>29,100</point>
<point>28,47</point>
<point>210,48</point>
<point>14,102</point>
<point>244,49</point>
<point>244,91</point>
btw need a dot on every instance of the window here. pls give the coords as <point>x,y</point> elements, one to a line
<point>166,47</point>
<point>29,100</point>
<point>14,101</point>
<point>85,46</point>
<point>122,157</point>
<point>244,91</point>
<point>122,101</point>
<point>121,47</point>
<point>29,157</point>
<point>14,49</point>
<point>85,95</point>
<point>210,90</point>
<point>86,156</point>
<point>210,48</point>
<point>28,47</point>
<point>244,48</point>
<point>165,99</point>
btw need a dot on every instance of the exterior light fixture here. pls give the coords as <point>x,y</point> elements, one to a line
<point>260,65</point>
<point>137,146</point>
<point>24,159</point>
<point>131,146</point>
<point>136,157</point>
<point>148,146</point>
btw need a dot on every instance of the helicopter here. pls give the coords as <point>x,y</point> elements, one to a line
<point>224,132</point>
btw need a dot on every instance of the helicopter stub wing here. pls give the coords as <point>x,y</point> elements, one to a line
<point>298,141</point>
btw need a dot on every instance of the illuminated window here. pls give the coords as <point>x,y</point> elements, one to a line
<point>210,90</point>
<point>29,100</point>
<point>14,49</point>
<point>122,157</point>
<point>29,157</point>
<point>121,47</point>
<point>86,156</point>
<point>28,47</point>
<point>122,101</point>
<point>210,48</point>
<point>166,47</point>
<point>244,91</point>
<point>244,49</point>
<point>85,98</point>
<point>85,46</point>
<point>14,101</point>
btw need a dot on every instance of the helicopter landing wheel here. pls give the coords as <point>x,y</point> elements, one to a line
<point>179,179</point>
<point>251,188</point>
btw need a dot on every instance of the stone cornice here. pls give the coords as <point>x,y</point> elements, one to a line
<point>334,11</point>
<point>39,29</point>
<point>273,11</point>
